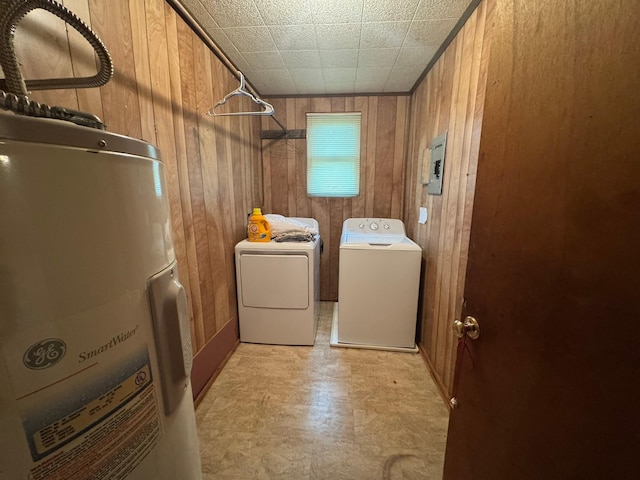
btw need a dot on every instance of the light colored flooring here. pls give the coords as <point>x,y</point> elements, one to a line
<point>316,413</point>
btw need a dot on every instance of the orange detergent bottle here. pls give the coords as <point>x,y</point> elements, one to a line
<point>259,229</point>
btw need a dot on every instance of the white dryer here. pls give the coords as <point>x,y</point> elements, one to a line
<point>379,279</point>
<point>278,290</point>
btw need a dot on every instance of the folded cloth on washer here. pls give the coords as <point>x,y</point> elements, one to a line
<point>285,229</point>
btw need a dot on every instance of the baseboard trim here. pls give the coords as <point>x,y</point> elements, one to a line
<point>208,362</point>
<point>444,394</point>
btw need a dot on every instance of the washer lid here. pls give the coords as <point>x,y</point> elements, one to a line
<point>356,238</point>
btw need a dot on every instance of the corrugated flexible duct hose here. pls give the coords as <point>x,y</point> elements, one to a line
<point>14,11</point>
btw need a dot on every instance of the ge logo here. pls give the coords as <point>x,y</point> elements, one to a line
<point>44,354</point>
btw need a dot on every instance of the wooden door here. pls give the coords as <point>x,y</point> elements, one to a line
<point>554,264</point>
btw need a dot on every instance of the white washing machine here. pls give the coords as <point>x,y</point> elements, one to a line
<point>378,291</point>
<point>278,290</point>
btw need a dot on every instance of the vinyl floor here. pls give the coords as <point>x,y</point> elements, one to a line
<point>322,413</point>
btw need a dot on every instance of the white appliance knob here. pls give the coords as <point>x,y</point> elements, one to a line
<point>386,226</point>
<point>373,226</point>
<point>361,225</point>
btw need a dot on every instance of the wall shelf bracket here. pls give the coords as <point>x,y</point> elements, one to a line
<point>283,134</point>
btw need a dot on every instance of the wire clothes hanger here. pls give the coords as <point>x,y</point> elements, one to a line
<point>267,108</point>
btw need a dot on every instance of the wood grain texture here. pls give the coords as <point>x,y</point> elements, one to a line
<point>382,157</point>
<point>449,99</point>
<point>173,50</point>
<point>554,244</point>
<point>166,80</point>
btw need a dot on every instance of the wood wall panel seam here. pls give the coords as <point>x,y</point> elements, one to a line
<point>449,98</point>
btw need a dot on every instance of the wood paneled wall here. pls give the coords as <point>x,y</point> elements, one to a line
<point>166,79</point>
<point>449,99</point>
<point>382,147</point>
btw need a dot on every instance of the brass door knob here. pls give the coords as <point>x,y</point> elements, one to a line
<point>469,327</point>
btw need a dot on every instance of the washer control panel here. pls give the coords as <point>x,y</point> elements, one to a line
<point>378,226</point>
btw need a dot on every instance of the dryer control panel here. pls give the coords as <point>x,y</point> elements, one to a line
<point>373,226</point>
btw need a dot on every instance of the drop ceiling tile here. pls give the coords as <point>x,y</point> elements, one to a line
<point>377,57</point>
<point>264,60</point>
<point>274,81</point>
<point>251,39</point>
<point>335,37</point>
<point>278,89</point>
<point>397,87</point>
<point>410,56</point>
<point>339,58</point>
<point>372,74</point>
<point>383,34</point>
<point>272,77</point>
<point>259,85</point>
<point>310,89</point>
<point>285,45</point>
<point>296,59</point>
<point>294,37</point>
<point>234,13</point>
<point>426,32</point>
<point>375,87</point>
<point>339,75</point>
<point>401,74</point>
<point>240,62</point>
<point>385,10</point>
<point>336,11</point>
<point>221,40</point>
<point>438,9</point>
<point>339,87</point>
<point>306,76</point>
<point>200,14</point>
<point>284,12</point>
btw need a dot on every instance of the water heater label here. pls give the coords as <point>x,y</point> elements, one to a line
<point>70,426</point>
<point>109,450</point>
<point>83,395</point>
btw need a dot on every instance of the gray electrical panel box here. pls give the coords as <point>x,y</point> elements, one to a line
<point>436,164</point>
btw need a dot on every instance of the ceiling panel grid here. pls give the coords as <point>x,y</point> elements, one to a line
<point>311,47</point>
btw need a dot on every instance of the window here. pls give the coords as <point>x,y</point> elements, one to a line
<point>333,154</point>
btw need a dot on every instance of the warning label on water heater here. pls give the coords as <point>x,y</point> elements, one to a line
<point>106,438</point>
<point>69,426</point>
<point>110,450</point>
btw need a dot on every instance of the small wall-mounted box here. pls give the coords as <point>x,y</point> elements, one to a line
<point>435,172</point>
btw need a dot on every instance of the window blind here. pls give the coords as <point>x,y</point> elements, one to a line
<point>333,154</point>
